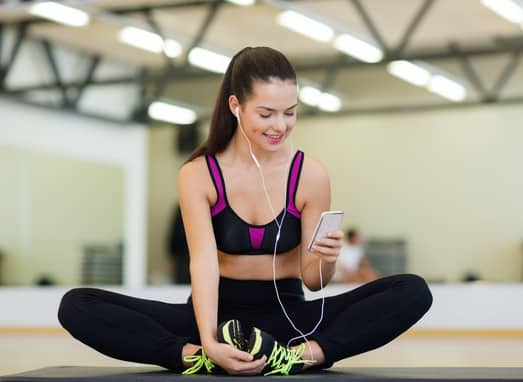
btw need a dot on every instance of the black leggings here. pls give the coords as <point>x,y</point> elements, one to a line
<point>153,332</point>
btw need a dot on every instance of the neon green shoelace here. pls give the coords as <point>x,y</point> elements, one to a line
<point>200,360</point>
<point>282,359</point>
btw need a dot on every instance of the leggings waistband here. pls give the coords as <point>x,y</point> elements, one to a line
<point>259,291</point>
<point>255,292</point>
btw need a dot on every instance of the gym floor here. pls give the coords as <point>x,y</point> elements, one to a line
<point>24,350</point>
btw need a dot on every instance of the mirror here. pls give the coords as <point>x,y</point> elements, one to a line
<point>62,220</point>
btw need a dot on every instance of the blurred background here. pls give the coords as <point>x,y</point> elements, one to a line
<point>414,107</point>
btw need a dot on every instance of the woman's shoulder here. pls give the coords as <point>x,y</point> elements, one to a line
<point>313,169</point>
<point>194,167</point>
<point>314,181</point>
<point>194,175</point>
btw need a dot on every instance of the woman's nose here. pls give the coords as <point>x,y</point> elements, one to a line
<point>280,125</point>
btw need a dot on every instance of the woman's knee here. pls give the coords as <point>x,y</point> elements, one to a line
<point>419,291</point>
<point>72,305</point>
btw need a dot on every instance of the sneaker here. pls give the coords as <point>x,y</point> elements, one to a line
<point>280,359</point>
<point>231,332</point>
<point>201,363</point>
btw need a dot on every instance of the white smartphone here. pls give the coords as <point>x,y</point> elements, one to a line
<point>329,221</point>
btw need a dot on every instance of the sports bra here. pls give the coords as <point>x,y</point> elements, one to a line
<point>235,236</point>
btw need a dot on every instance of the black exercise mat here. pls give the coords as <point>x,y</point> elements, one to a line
<point>357,374</point>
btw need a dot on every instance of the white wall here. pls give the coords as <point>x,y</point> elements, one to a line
<point>164,163</point>
<point>462,306</point>
<point>448,181</point>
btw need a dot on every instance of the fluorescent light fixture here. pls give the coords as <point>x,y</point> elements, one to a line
<point>149,41</point>
<point>306,26</point>
<point>141,38</point>
<point>310,96</point>
<point>329,102</point>
<point>171,113</point>
<point>243,3</point>
<point>410,72</point>
<point>60,13</point>
<point>208,60</point>
<point>358,48</point>
<point>433,79</point>
<point>508,9</point>
<point>172,48</point>
<point>447,88</point>
<point>314,97</point>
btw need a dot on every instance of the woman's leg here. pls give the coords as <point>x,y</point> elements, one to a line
<point>359,320</point>
<point>129,328</point>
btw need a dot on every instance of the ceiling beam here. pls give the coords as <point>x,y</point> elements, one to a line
<point>370,25</point>
<point>505,74</point>
<point>422,12</point>
<point>173,5</point>
<point>191,73</point>
<point>21,33</point>
<point>413,108</point>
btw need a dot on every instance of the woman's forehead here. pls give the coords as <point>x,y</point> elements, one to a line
<point>276,92</point>
<point>274,88</point>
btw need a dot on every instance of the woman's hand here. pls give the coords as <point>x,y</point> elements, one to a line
<point>328,248</point>
<point>234,361</point>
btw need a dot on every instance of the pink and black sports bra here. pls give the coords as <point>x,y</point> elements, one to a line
<point>235,236</point>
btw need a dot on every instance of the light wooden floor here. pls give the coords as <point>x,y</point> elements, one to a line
<point>22,352</point>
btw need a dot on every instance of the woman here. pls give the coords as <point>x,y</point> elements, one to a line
<point>247,263</point>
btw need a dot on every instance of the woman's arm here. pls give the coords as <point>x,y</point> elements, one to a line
<point>193,181</point>
<point>196,215</point>
<point>315,189</point>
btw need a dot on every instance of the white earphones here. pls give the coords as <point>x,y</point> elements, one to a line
<point>280,224</point>
<point>237,111</point>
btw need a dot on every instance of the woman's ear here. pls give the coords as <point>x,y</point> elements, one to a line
<point>234,105</point>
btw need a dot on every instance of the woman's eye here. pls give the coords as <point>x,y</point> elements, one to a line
<point>265,115</point>
<point>291,114</point>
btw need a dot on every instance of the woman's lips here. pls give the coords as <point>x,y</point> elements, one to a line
<point>274,139</point>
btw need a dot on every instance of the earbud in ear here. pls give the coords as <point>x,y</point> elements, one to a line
<point>237,112</point>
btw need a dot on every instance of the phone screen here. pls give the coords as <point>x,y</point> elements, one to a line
<point>329,221</point>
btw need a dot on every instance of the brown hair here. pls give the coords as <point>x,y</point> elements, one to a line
<point>247,66</point>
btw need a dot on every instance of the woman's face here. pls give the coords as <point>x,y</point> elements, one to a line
<point>268,115</point>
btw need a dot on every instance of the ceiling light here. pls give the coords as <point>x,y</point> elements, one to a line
<point>172,48</point>
<point>358,48</point>
<point>410,72</point>
<point>206,59</point>
<point>329,102</point>
<point>171,113</point>
<point>243,3</point>
<point>512,10</point>
<point>302,24</point>
<point>314,97</point>
<point>152,42</point>
<point>310,96</point>
<point>447,88</point>
<point>60,13</point>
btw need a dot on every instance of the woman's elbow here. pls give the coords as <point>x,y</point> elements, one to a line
<point>312,285</point>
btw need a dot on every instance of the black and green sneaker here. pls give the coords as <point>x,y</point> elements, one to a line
<point>231,332</point>
<point>280,359</point>
<point>201,364</point>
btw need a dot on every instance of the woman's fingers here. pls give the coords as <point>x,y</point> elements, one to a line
<point>240,355</point>
<point>251,368</point>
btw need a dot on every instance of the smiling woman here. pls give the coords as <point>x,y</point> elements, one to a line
<point>248,264</point>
